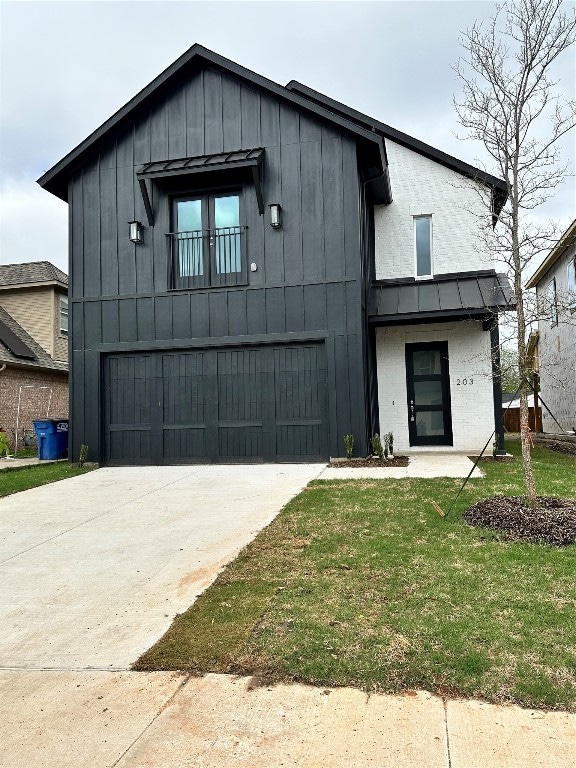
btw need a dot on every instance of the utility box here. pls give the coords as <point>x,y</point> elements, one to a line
<point>52,437</point>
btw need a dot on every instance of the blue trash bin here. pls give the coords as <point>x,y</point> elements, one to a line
<point>52,437</point>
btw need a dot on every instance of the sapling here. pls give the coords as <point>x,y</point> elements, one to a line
<point>377,448</point>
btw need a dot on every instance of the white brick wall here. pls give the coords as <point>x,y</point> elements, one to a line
<point>468,358</point>
<point>422,186</point>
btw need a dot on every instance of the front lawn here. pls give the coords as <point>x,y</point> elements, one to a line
<point>14,479</point>
<point>361,583</point>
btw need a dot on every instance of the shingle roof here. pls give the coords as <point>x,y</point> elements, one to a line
<point>43,359</point>
<point>32,272</point>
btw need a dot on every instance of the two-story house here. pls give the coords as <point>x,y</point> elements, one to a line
<point>554,345</point>
<point>33,346</point>
<point>258,270</point>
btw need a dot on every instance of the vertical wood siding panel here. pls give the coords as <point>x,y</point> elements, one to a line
<point>218,313</point>
<point>256,311</point>
<point>127,320</point>
<point>292,213</point>
<point>91,205</point>
<point>336,307</point>
<point>77,340</point>
<point>110,322</point>
<point>195,116</point>
<point>312,214</point>
<point>353,308</point>
<point>176,118</point>
<point>125,204</point>
<point>333,208</point>
<point>315,307</point>
<point>160,243</point>
<point>163,316</point>
<point>109,232</point>
<point>199,321</point>
<point>273,238</point>
<point>237,313</point>
<point>269,122</point>
<point>289,125</point>
<point>142,141</point>
<point>294,308</point>
<point>77,237</point>
<point>144,319</point>
<point>351,195</point>
<point>231,118</point>
<point>77,409</point>
<point>92,323</point>
<point>255,237</point>
<point>181,315</point>
<point>159,133</point>
<point>310,128</point>
<point>213,129</point>
<point>275,313</point>
<point>92,416</point>
<point>250,111</point>
<point>342,372</point>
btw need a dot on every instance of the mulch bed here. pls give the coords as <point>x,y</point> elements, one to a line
<point>553,522</point>
<point>397,461</point>
<point>496,459</point>
<point>560,446</point>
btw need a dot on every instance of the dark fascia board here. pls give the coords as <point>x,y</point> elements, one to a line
<point>56,179</point>
<point>500,191</point>
<point>436,316</point>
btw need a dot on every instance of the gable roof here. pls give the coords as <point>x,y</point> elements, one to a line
<point>31,272</point>
<point>500,192</point>
<point>371,145</point>
<point>567,239</point>
<point>40,358</point>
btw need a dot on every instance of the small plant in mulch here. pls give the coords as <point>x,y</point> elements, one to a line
<point>552,522</point>
<point>349,443</point>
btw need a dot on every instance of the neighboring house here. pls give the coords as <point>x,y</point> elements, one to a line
<point>257,270</point>
<point>511,413</point>
<point>555,283</point>
<point>33,346</point>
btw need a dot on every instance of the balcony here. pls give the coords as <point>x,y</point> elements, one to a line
<point>207,258</point>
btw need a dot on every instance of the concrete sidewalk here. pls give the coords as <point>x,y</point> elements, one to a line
<point>151,720</point>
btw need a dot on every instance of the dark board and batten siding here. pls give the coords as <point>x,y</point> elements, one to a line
<point>308,280</point>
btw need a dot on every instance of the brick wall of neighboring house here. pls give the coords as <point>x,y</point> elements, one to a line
<point>34,401</point>
<point>423,187</point>
<point>470,371</point>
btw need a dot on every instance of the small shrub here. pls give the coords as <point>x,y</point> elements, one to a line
<point>349,443</point>
<point>377,448</point>
<point>83,454</point>
<point>390,442</point>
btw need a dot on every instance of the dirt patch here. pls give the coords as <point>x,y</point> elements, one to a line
<point>552,522</point>
<point>397,461</point>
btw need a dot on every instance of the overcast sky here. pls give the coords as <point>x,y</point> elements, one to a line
<point>65,67</point>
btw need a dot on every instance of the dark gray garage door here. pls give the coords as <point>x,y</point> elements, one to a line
<point>260,403</point>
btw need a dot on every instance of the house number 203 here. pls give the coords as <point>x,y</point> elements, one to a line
<point>464,382</point>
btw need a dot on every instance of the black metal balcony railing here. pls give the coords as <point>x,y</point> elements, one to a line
<point>205,257</point>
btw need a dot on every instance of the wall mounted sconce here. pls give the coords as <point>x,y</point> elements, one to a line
<point>275,215</point>
<point>135,231</point>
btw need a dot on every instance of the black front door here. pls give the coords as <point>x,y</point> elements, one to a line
<point>428,383</point>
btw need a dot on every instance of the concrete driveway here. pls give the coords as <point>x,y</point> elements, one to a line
<point>94,568</point>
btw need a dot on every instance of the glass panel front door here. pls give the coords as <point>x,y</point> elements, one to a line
<point>428,384</point>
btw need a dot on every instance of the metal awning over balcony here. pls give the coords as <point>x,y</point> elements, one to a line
<point>224,162</point>
<point>451,297</point>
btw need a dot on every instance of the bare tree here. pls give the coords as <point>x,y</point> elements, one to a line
<point>510,103</point>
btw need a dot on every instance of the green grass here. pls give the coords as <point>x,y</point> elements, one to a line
<point>15,479</point>
<point>361,583</point>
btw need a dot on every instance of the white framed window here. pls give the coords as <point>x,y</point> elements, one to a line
<point>423,246</point>
<point>63,314</point>
<point>571,269</point>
